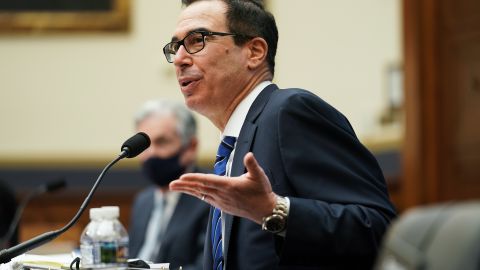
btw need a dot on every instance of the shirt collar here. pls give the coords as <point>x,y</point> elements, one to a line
<point>235,122</point>
<point>170,197</point>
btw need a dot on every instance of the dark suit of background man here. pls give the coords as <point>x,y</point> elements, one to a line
<point>8,207</point>
<point>301,191</point>
<point>168,226</point>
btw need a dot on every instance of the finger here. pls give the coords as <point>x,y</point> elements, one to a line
<point>193,188</point>
<point>201,177</point>
<point>252,166</point>
<point>204,180</point>
<point>199,193</point>
<point>189,191</point>
<point>196,176</point>
<point>206,196</point>
<point>179,184</point>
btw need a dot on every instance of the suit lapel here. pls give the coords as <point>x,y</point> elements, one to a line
<point>249,127</point>
<point>242,147</point>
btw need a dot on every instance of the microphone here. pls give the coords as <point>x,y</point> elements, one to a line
<point>46,187</point>
<point>131,148</point>
<point>135,145</point>
<point>55,185</point>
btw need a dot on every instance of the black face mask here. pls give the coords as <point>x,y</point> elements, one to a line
<point>162,171</point>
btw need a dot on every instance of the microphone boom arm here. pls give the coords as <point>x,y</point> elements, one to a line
<point>131,148</point>
<point>47,187</point>
<point>7,254</point>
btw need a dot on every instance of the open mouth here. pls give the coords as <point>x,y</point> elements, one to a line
<point>185,83</point>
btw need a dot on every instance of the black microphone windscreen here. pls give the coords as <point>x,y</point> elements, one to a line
<point>56,184</point>
<point>136,144</point>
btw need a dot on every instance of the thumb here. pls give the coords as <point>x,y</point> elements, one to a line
<point>252,166</point>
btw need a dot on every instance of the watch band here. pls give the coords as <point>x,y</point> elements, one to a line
<point>277,221</point>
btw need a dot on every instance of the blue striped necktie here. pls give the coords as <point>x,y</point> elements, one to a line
<point>224,151</point>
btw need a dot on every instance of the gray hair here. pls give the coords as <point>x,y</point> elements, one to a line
<point>186,123</point>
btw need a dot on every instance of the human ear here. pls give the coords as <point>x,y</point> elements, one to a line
<point>257,52</point>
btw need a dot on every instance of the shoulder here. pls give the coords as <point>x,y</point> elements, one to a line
<point>7,194</point>
<point>297,96</point>
<point>297,103</point>
<point>145,195</point>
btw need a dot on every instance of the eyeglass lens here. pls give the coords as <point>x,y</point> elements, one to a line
<point>193,43</point>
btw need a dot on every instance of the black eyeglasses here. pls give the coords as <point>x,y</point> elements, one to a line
<point>193,43</point>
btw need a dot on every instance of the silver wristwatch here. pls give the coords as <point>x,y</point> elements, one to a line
<point>277,221</point>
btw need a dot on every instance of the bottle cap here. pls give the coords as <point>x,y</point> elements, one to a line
<point>95,213</point>
<point>110,211</point>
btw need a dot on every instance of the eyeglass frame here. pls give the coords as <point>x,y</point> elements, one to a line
<point>204,34</point>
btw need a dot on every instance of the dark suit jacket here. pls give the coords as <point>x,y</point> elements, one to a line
<point>339,205</point>
<point>182,243</point>
<point>8,208</point>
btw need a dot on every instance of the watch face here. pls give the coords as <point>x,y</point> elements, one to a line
<point>275,224</point>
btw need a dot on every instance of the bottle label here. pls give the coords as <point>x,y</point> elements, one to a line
<point>111,252</point>
<point>108,252</point>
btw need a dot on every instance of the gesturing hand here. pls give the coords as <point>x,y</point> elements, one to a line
<point>249,195</point>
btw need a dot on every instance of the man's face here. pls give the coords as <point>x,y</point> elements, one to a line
<point>212,78</point>
<point>165,140</point>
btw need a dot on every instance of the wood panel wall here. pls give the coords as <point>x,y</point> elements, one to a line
<point>442,100</point>
<point>52,212</point>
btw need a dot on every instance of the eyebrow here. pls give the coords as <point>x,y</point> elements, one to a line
<point>174,38</point>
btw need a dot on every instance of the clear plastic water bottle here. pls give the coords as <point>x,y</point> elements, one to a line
<point>112,238</point>
<point>88,250</point>
<point>104,242</point>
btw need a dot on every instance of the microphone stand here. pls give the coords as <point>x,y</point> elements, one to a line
<point>7,254</point>
<point>47,187</point>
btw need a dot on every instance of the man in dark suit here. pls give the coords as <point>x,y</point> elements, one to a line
<point>8,208</point>
<point>296,188</point>
<point>168,226</point>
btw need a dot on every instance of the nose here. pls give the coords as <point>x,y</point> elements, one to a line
<point>182,57</point>
<point>147,153</point>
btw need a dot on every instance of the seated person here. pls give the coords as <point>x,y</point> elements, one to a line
<point>168,227</point>
<point>8,207</point>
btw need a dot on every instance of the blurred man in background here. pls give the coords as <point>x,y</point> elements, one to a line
<point>168,227</point>
<point>8,206</point>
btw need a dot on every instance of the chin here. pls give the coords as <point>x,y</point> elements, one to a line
<point>196,105</point>
<point>192,103</point>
